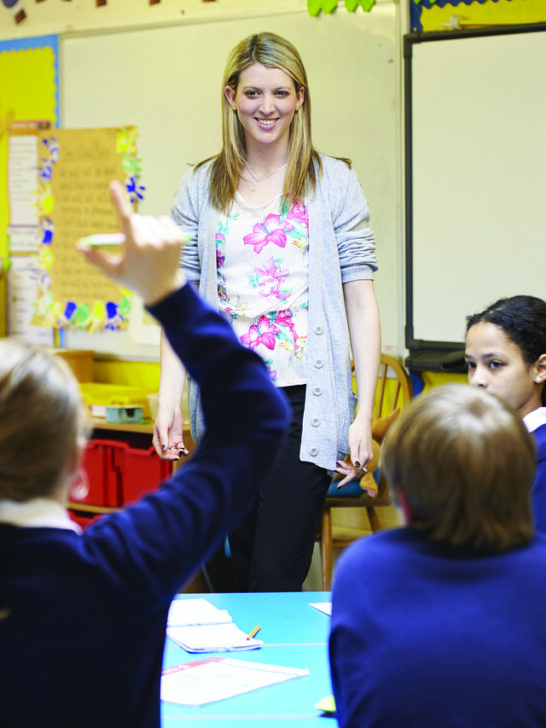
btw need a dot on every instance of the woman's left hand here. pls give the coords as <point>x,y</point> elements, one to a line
<point>360,453</point>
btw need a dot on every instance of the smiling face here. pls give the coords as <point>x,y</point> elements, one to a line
<point>497,364</point>
<point>266,101</point>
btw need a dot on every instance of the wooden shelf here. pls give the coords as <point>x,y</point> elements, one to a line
<point>87,508</point>
<point>99,423</point>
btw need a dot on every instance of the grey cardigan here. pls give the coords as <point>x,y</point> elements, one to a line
<point>341,249</point>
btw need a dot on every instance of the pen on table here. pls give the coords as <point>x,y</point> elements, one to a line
<point>105,240</point>
<point>254,632</point>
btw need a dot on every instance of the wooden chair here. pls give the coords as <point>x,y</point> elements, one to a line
<point>394,390</point>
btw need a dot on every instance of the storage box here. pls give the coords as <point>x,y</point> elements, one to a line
<point>98,395</point>
<point>140,471</point>
<point>126,414</point>
<point>118,474</point>
<point>104,480</point>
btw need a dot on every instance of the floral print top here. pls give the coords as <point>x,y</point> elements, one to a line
<point>263,282</point>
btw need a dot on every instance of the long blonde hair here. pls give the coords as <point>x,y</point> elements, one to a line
<point>41,420</point>
<point>304,163</point>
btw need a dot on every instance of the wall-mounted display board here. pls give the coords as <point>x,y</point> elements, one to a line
<point>475,120</point>
<point>28,91</point>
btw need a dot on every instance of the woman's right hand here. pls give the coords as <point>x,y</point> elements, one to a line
<point>168,438</point>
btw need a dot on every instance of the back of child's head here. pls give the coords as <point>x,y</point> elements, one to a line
<point>465,464</point>
<point>41,419</point>
<point>523,321</point>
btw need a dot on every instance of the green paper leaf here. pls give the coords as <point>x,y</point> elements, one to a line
<point>329,5</point>
<point>352,5</point>
<point>125,307</point>
<point>367,5</point>
<point>314,7</point>
<point>81,315</point>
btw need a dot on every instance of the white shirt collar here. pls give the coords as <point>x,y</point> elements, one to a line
<point>535,419</point>
<point>36,513</point>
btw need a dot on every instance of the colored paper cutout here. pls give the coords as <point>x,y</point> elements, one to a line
<point>315,7</point>
<point>16,8</point>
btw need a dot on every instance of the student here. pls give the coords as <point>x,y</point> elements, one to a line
<point>82,615</point>
<point>282,245</point>
<point>441,622</point>
<point>506,354</point>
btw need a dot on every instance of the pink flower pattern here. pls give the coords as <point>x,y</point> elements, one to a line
<point>272,230</point>
<point>271,280</point>
<point>261,333</point>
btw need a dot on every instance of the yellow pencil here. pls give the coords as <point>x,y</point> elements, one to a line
<point>254,632</point>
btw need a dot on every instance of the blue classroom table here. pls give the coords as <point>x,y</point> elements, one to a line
<point>294,635</point>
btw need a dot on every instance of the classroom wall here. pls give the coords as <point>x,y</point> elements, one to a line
<point>56,16</point>
<point>355,89</point>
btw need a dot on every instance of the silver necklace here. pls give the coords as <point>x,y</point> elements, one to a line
<point>254,185</point>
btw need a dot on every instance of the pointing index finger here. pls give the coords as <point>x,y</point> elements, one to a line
<point>121,205</point>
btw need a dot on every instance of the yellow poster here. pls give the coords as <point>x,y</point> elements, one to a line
<point>75,168</point>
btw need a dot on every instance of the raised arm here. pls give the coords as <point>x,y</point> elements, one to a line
<point>161,540</point>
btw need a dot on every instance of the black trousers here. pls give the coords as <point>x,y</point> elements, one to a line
<point>273,547</point>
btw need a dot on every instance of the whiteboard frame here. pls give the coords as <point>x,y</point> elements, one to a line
<point>425,354</point>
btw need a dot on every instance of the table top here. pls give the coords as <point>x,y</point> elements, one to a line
<point>294,634</point>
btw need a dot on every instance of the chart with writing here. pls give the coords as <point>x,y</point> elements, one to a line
<point>75,167</point>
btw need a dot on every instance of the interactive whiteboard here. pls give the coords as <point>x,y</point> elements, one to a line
<point>476,176</point>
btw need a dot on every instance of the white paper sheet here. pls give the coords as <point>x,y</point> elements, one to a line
<point>184,612</point>
<point>212,638</point>
<point>23,179</point>
<point>217,678</point>
<point>22,290</point>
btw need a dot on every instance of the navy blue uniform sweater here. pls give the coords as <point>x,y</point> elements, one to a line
<point>424,636</point>
<point>83,642</point>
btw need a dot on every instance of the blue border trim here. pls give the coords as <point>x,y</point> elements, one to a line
<point>41,41</point>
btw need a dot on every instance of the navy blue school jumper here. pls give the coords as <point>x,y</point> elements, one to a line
<point>424,635</point>
<point>538,491</point>
<point>82,616</point>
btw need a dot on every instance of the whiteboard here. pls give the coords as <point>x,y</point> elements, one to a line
<point>476,226</point>
<point>167,81</point>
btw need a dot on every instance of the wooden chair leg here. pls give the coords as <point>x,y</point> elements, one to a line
<point>375,523</point>
<point>326,549</point>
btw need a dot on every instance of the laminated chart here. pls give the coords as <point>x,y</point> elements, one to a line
<point>75,167</point>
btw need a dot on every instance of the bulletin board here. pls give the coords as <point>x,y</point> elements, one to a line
<point>28,91</point>
<point>475,179</point>
<point>167,82</point>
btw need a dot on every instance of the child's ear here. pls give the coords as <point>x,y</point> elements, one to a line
<point>402,503</point>
<point>540,375</point>
<point>78,483</point>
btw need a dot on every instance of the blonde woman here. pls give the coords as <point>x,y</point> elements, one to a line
<point>282,245</point>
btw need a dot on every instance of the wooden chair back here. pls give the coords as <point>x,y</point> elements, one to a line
<point>394,390</point>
